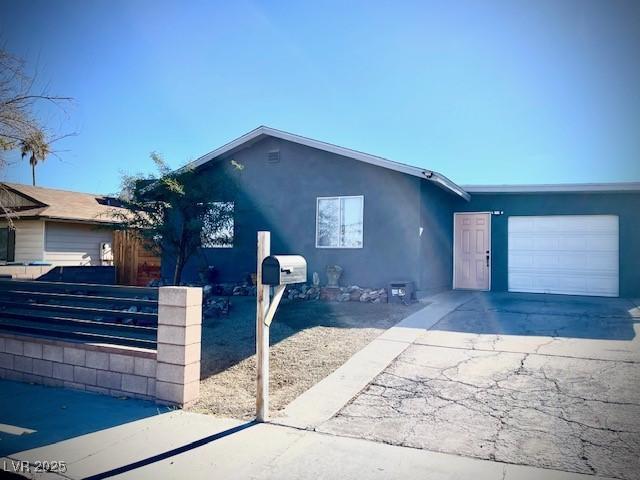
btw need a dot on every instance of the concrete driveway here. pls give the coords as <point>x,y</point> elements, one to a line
<point>542,380</point>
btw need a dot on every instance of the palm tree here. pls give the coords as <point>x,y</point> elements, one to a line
<point>35,146</point>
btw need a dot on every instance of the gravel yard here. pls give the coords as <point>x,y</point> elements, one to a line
<point>309,340</point>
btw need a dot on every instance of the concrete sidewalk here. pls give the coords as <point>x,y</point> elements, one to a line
<point>32,416</point>
<point>181,445</point>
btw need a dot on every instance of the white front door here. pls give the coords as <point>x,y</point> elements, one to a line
<point>472,251</point>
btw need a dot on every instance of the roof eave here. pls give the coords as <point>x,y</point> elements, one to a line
<point>329,147</point>
<point>93,221</point>
<point>448,184</point>
<point>619,187</point>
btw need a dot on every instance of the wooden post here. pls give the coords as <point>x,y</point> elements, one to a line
<point>262,331</point>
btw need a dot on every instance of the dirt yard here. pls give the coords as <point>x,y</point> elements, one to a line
<point>309,340</point>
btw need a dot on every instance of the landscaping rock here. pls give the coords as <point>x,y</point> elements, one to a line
<point>216,307</point>
<point>377,296</point>
<point>365,296</point>
<point>355,294</point>
<point>312,293</point>
<point>225,289</point>
<point>344,297</point>
<point>243,290</point>
<point>329,293</point>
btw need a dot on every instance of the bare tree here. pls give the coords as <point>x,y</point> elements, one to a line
<point>20,129</point>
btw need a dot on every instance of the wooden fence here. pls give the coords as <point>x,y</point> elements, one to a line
<point>135,264</point>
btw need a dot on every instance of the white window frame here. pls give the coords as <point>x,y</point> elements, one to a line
<point>339,197</point>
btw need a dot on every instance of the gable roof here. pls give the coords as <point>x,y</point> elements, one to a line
<point>25,201</point>
<point>263,132</point>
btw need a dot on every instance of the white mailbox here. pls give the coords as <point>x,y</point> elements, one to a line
<point>284,270</point>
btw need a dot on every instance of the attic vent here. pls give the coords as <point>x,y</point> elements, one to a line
<point>273,156</point>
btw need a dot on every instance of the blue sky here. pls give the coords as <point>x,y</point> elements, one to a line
<point>484,92</point>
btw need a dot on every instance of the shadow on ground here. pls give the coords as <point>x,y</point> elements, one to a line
<point>56,414</point>
<point>227,340</point>
<point>545,315</point>
<point>159,457</point>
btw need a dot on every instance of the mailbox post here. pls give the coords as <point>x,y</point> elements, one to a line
<point>276,271</point>
<point>262,331</point>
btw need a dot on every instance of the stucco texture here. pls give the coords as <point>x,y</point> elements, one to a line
<point>281,197</point>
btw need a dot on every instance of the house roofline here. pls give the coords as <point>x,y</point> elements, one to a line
<point>262,130</point>
<point>559,188</point>
<point>92,221</point>
<point>16,217</point>
<point>9,186</point>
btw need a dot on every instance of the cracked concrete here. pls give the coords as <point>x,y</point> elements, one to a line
<point>187,445</point>
<point>570,404</point>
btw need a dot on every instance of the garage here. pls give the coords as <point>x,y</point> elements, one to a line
<point>565,254</point>
<point>74,244</point>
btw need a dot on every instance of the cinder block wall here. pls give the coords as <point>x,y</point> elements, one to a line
<point>110,370</point>
<point>168,375</point>
<point>179,335</point>
<point>25,272</point>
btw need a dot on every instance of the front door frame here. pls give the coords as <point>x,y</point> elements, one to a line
<point>455,234</point>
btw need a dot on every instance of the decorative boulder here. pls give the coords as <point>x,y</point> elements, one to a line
<point>344,297</point>
<point>355,294</point>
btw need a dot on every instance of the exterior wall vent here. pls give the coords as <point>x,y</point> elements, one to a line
<point>273,156</point>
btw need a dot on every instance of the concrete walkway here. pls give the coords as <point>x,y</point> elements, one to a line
<point>180,445</point>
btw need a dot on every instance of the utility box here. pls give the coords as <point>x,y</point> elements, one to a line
<point>284,270</point>
<point>106,253</point>
<point>401,292</point>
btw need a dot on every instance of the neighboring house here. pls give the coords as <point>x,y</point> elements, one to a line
<point>384,221</point>
<point>55,227</point>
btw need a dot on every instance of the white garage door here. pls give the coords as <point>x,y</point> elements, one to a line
<point>570,254</point>
<point>74,244</point>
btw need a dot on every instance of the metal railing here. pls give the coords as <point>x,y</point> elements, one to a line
<point>117,315</point>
